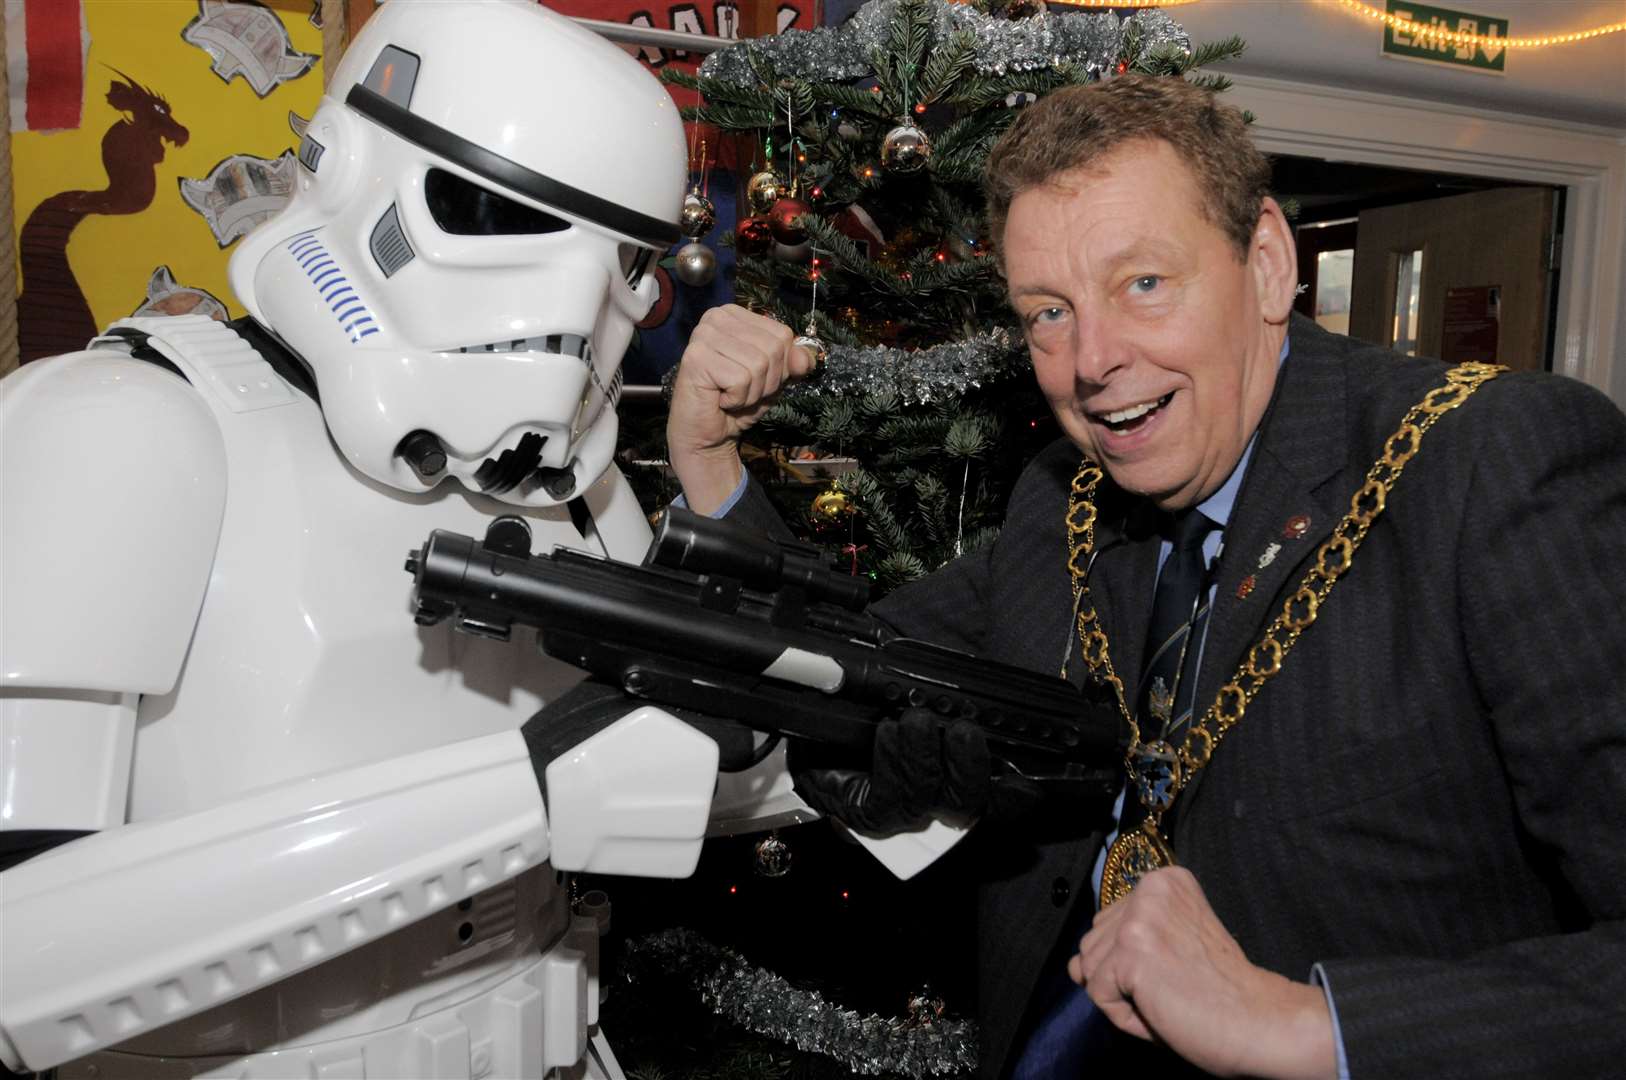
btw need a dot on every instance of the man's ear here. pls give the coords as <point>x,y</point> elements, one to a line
<point>1273,260</point>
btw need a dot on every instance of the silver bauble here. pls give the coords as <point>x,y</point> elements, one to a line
<point>815,349</point>
<point>763,190</point>
<point>698,216</point>
<point>696,264</point>
<point>793,253</point>
<point>905,149</point>
<point>773,857</point>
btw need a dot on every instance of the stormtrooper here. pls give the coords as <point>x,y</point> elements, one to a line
<point>259,823</point>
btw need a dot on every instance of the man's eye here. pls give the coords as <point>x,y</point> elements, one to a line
<point>1145,283</point>
<point>1049,314</point>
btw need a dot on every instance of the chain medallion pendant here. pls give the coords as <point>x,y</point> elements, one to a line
<point>1154,771</point>
<point>1131,857</point>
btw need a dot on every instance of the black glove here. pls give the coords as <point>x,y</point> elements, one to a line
<point>921,765</point>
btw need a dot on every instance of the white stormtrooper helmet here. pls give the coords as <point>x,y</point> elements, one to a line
<point>480,194</point>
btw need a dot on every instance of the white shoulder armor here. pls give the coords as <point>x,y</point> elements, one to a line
<point>113,488</point>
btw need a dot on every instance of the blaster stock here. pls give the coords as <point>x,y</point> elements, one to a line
<point>732,624</point>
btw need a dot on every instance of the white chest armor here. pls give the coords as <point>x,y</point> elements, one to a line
<point>305,657</point>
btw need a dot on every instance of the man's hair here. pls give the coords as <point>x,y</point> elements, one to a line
<point>1080,125</point>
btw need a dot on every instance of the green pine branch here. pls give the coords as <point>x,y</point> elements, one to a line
<point>1214,52</point>
<point>948,64</point>
<point>850,98</point>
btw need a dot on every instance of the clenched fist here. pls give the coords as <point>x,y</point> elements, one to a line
<point>1160,965</point>
<point>735,363</point>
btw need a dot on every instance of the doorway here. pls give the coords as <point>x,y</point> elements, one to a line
<point>1430,264</point>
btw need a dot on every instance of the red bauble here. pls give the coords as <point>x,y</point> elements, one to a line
<point>753,236</point>
<point>782,219</point>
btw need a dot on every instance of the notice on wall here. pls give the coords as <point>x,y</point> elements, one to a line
<point>1481,51</point>
<point>1473,324</point>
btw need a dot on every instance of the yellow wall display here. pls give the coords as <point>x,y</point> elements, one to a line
<point>208,86</point>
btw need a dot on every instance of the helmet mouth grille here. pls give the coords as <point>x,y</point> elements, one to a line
<point>504,472</point>
<point>574,345</point>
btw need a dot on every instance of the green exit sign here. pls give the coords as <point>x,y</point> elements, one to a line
<point>1475,55</point>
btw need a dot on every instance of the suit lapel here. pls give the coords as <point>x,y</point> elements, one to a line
<point>1285,501</point>
<point>1122,588</point>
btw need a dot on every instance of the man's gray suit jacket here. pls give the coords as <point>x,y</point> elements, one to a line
<point>1430,799</point>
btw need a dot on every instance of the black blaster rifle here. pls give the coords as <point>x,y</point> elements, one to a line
<point>730,623</point>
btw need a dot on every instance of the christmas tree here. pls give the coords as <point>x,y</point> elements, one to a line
<point>867,235</point>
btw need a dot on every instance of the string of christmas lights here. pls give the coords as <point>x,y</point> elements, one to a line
<point>1484,41</point>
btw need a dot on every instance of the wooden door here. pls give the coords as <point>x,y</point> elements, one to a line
<point>1465,277</point>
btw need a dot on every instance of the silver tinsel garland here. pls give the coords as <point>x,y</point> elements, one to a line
<point>839,54</point>
<point>918,377</point>
<point>925,1044</point>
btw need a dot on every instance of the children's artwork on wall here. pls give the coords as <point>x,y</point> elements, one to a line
<point>45,64</point>
<point>241,192</point>
<point>165,297</point>
<point>53,314</point>
<point>101,206</point>
<point>247,39</point>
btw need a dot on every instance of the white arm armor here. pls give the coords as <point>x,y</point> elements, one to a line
<point>125,931</point>
<point>112,490</point>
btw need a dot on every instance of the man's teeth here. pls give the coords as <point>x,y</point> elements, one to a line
<point>1135,411</point>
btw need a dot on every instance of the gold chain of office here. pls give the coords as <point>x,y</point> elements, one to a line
<point>1158,772</point>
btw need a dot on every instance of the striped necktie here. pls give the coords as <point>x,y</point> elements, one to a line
<point>1173,640</point>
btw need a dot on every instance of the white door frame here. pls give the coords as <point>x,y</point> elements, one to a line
<point>1379,129</point>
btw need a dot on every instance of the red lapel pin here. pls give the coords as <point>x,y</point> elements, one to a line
<point>1296,527</point>
<point>1245,586</point>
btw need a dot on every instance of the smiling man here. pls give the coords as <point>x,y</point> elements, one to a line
<point>1362,617</point>
<point>1154,333</point>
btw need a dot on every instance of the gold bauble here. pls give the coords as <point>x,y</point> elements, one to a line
<point>698,215</point>
<point>763,190</point>
<point>832,504</point>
